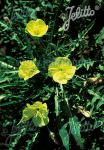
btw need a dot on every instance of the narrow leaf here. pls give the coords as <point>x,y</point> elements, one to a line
<point>75,130</point>
<point>64,137</point>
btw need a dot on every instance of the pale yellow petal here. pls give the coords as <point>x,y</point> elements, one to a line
<point>60,78</point>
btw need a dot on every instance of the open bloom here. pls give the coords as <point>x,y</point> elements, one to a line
<point>27,69</point>
<point>38,112</point>
<point>61,70</point>
<point>36,28</point>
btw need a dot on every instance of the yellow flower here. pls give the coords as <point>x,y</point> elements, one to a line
<point>38,112</point>
<point>27,69</point>
<point>61,70</point>
<point>36,28</point>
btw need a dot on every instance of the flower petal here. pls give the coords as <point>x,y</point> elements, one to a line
<point>60,77</point>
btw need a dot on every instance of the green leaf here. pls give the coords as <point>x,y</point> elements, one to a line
<point>100,37</point>
<point>57,107</point>
<point>64,137</point>
<point>86,63</point>
<point>100,103</point>
<point>75,130</point>
<point>5,26</point>
<point>32,13</point>
<point>103,54</point>
<point>4,79</point>
<point>5,65</point>
<point>100,66</point>
<point>99,2</point>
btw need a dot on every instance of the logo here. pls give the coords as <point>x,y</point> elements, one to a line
<point>79,13</point>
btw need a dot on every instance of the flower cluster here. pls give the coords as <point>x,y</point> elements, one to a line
<point>61,70</point>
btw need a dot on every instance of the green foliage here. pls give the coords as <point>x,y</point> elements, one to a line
<point>85,63</point>
<point>30,142</point>
<point>99,2</point>
<point>100,40</point>
<point>83,44</point>
<point>100,37</point>
<point>75,130</point>
<point>98,98</point>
